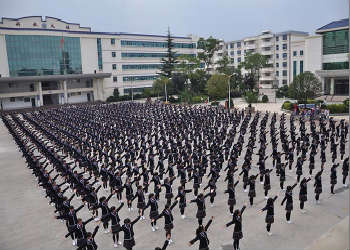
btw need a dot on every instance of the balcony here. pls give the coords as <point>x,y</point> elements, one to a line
<point>267,52</point>
<point>250,46</point>
<point>266,44</point>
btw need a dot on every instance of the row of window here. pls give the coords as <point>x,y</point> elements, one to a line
<point>336,42</point>
<point>147,44</point>
<point>335,65</point>
<point>301,68</point>
<point>284,46</point>
<point>238,44</point>
<point>301,52</point>
<point>284,65</point>
<point>284,73</point>
<point>99,53</point>
<point>154,55</point>
<point>139,78</point>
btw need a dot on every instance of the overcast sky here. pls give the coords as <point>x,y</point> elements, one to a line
<point>226,19</point>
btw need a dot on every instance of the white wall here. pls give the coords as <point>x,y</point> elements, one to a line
<point>313,54</point>
<point>78,98</point>
<point>89,58</point>
<point>4,67</point>
<point>335,58</point>
<point>19,103</point>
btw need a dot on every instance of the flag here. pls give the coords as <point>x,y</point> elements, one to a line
<point>62,43</point>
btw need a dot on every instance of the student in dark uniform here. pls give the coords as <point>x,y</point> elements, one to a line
<point>181,197</point>
<point>345,171</point>
<point>237,231</point>
<point>289,201</point>
<point>153,214</point>
<point>333,176</point>
<point>252,192</point>
<point>269,219</point>
<point>303,193</point>
<point>201,235</point>
<point>105,211</point>
<point>89,243</point>
<point>128,229</point>
<point>168,219</point>
<point>115,221</point>
<point>201,213</point>
<point>79,231</point>
<point>318,185</point>
<point>231,202</point>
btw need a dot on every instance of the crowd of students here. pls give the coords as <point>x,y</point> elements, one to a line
<point>159,148</point>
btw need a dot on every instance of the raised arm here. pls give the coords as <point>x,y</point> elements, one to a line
<point>77,210</point>
<point>174,204</point>
<point>86,222</point>
<point>136,220</point>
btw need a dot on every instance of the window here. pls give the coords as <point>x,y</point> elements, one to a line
<point>277,65</point>
<point>112,41</point>
<point>238,52</point>
<point>113,54</point>
<point>277,39</point>
<point>232,53</point>
<point>284,55</point>
<point>301,67</point>
<point>147,44</point>
<point>284,72</point>
<point>285,37</point>
<point>301,52</point>
<point>277,47</point>
<point>294,53</point>
<point>335,65</point>
<point>245,51</point>
<point>114,66</point>
<point>99,53</point>
<point>141,66</point>
<point>232,45</point>
<point>284,82</point>
<point>238,44</point>
<point>12,99</point>
<point>336,42</point>
<point>277,73</point>
<point>294,68</point>
<point>26,99</point>
<point>139,78</point>
<point>159,55</point>
<point>232,60</point>
<point>284,64</point>
<point>284,46</point>
<point>115,79</point>
<point>239,59</point>
<point>34,55</point>
<point>277,56</point>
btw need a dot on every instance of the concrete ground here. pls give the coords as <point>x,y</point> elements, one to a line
<point>27,221</point>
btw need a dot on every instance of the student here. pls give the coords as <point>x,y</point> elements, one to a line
<point>269,219</point>
<point>90,243</point>
<point>333,177</point>
<point>201,213</point>
<point>115,221</point>
<point>79,231</point>
<point>168,219</point>
<point>231,202</point>
<point>237,231</point>
<point>201,235</point>
<point>128,229</point>
<point>289,204</point>
<point>318,185</point>
<point>303,193</point>
<point>153,214</point>
<point>181,197</point>
<point>345,172</point>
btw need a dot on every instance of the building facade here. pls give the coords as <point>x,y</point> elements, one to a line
<point>335,58</point>
<point>278,48</point>
<point>47,61</point>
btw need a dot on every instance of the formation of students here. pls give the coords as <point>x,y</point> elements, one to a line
<point>121,146</point>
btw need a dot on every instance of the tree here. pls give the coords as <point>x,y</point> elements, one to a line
<point>209,46</point>
<point>305,86</point>
<point>225,65</point>
<point>168,63</point>
<point>253,63</point>
<point>217,86</point>
<point>159,86</point>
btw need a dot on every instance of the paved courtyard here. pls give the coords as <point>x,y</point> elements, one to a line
<point>27,221</point>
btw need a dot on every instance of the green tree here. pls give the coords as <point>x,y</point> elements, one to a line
<point>305,86</point>
<point>253,63</point>
<point>209,46</point>
<point>199,79</point>
<point>217,86</point>
<point>225,65</point>
<point>159,86</point>
<point>169,62</point>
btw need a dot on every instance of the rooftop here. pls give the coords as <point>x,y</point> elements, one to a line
<point>343,23</point>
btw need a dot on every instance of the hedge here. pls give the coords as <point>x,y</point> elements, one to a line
<point>338,108</point>
<point>265,99</point>
<point>287,105</point>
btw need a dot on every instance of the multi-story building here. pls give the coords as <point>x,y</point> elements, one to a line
<point>334,57</point>
<point>50,61</point>
<point>278,48</point>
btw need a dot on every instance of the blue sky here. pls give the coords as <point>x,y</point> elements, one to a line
<point>226,19</point>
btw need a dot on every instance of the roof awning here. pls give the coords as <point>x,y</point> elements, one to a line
<point>53,77</point>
